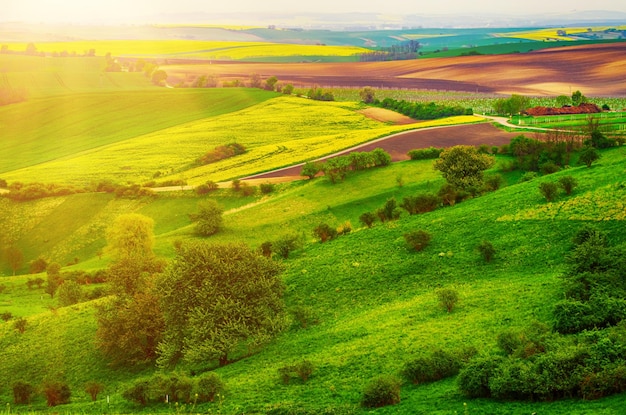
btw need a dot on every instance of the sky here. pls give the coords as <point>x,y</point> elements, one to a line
<point>137,10</point>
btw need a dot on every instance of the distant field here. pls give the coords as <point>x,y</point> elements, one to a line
<point>54,128</point>
<point>193,49</point>
<point>558,33</point>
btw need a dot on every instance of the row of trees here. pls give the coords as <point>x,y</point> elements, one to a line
<point>419,110</point>
<point>337,168</point>
<point>402,51</point>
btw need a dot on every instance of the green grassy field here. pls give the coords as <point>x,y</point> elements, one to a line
<point>373,298</point>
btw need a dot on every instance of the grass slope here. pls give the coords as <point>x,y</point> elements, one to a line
<point>46,129</point>
<point>373,298</point>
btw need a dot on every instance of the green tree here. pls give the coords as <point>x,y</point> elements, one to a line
<point>578,98</point>
<point>563,100</point>
<point>208,218</point>
<point>218,299</point>
<point>131,236</point>
<point>463,166</point>
<point>130,328</point>
<point>310,169</point>
<point>588,155</point>
<point>448,298</point>
<point>159,77</point>
<point>288,89</point>
<point>549,190</point>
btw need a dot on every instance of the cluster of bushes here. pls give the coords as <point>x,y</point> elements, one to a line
<point>425,153</point>
<point>221,153</point>
<point>175,387</point>
<point>318,94</point>
<point>421,111</point>
<point>206,188</point>
<point>130,191</point>
<point>242,188</point>
<point>283,246</point>
<point>595,289</point>
<point>30,191</point>
<point>302,370</point>
<point>324,232</point>
<point>550,190</point>
<point>436,365</point>
<point>337,168</point>
<point>538,365</point>
<point>56,392</point>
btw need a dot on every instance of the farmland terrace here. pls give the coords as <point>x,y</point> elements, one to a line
<point>597,69</point>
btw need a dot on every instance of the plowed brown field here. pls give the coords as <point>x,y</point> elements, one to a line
<point>597,70</point>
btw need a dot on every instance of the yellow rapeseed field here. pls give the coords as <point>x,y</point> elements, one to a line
<point>277,133</point>
<point>191,48</point>
<point>553,33</point>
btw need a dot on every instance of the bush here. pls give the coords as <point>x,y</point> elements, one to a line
<point>448,194</point>
<point>345,228</point>
<point>310,169</point>
<point>266,188</point>
<point>247,190</point>
<point>69,293</point>
<point>209,386</point>
<point>23,393</point>
<point>549,190</point>
<point>420,204</point>
<point>57,393</point>
<point>568,183</point>
<point>209,218</point>
<point>381,391</point>
<point>425,153</point>
<point>266,249</point>
<point>303,315</point>
<point>287,243</point>
<point>448,298</point>
<point>436,366</point>
<point>548,167</point>
<point>417,240</point>
<point>367,219</point>
<point>528,176</point>
<point>20,324</point>
<point>6,316</point>
<point>302,370</point>
<point>389,211</point>
<point>325,232</point>
<point>38,265</point>
<point>138,392</point>
<point>493,182</point>
<point>93,389</point>
<point>473,379</point>
<point>487,250</point>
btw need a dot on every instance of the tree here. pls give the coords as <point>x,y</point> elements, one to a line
<point>463,166</point>
<point>131,236</point>
<point>448,298</point>
<point>288,89</point>
<point>588,155</point>
<point>69,293</point>
<point>367,94</point>
<point>93,389</point>
<point>310,169</point>
<point>549,190</point>
<point>209,218</point>
<point>270,83</point>
<point>255,80</point>
<point>563,100</point>
<point>218,299</point>
<point>130,328</point>
<point>15,257</point>
<point>578,98</point>
<point>159,77</point>
<point>513,105</point>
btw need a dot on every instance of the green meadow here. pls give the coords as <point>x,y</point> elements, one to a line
<point>370,301</point>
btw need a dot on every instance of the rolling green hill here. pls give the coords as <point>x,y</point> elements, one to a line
<point>372,298</point>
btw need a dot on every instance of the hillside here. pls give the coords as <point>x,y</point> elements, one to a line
<point>372,298</point>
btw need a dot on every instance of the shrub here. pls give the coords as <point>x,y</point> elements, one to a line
<point>425,153</point>
<point>266,188</point>
<point>6,316</point>
<point>448,194</point>
<point>448,298</point>
<point>345,228</point>
<point>548,167</point>
<point>325,232</point>
<point>311,169</point>
<point>23,393</point>
<point>209,218</point>
<point>473,379</point>
<point>266,249</point>
<point>487,250</point>
<point>287,243</point>
<point>493,182</point>
<point>93,389</point>
<point>568,183</point>
<point>549,190</point>
<point>209,386</point>
<point>528,176</point>
<point>381,391</point>
<point>303,315</point>
<point>389,211</point>
<point>69,293</point>
<point>138,392</point>
<point>302,370</point>
<point>417,240</point>
<point>436,366</point>
<point>367,219</point>
<point>247,190</point>
<point>57,393</point>
<point>422,203</point>
<point>20,324</point>
<point>38,265</point>
<point>509,341</point>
